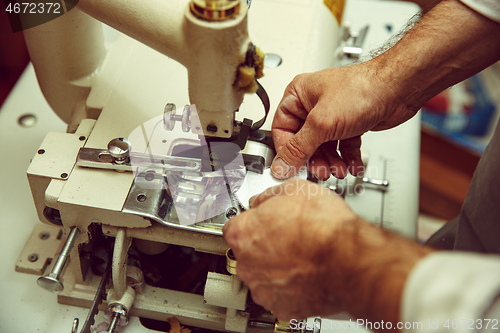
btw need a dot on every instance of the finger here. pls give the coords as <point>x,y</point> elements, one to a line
<point>263,295</point>
<point>350,149</point>
<point>295,153</point>
<point>288,118</point>
<point>337,166</point>
<point>319,166</point>
<point>232,231</point>
<point>266,195</point>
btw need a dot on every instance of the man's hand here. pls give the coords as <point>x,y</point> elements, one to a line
<point>283,246</point>
<point>334,107</point>
<point>303,252</point>
<point>318,110</point>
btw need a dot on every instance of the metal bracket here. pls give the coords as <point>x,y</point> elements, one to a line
<point>102,159</point>
<point>352,44</point>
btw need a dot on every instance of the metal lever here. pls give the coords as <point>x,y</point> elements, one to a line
<point>102,159</point>
<point>51,282</point>
<point>380,185</point>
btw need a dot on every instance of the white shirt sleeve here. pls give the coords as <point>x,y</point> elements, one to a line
<point>488,8</point>
<point>453,292</point>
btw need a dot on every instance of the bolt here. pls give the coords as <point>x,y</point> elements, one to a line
<point>231,212</point>
<point>141,197</point>
<point>117,315</point>
<point>81,138</point>
<point>33,257</point>
<point>51,282</point>
<point>64,175</point>
<point>119,149</point>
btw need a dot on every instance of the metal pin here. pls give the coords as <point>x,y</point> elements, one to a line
<point>384,183</point>
<point>51,282</point>
<point>114,323</point>
<point>74,329</point>
<point>381,185</point>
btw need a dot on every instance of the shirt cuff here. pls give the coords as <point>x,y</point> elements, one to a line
<point>488,8</point>
<point>447,286</point>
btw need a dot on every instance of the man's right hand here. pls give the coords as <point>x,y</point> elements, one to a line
<point>328,108</point>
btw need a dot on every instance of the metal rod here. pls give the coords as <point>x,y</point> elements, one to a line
<point>376,182</point>
<point>51,282</point>
<point>114,323</point>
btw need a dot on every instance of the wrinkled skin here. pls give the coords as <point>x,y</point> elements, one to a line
<point>285,263</point>
<point>333,107</point>
<point>303,252</point>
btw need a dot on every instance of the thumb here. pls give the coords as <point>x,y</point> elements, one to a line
<point>295,153</point>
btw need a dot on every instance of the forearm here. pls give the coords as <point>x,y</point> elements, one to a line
<point>450,43</point>
<point>377,264</point>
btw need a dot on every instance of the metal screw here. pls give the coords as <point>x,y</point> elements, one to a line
<point>231,212</point>
<point>119,149</point>
<point>64,175</point>
<point>33,257</point>
<point>117,315</point>
<point>81,138</point>
<point>141,197</point>
<point>150,175</point>
<point>51,282</point>
<point>41,151</point>
<point>44,235</point>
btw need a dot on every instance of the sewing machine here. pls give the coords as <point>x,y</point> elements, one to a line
<point>113,210</point>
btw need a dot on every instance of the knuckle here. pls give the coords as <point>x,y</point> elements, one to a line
<point>316,120</point>
<point>295,149</point>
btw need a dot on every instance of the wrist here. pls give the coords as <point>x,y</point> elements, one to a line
<point>450,43</point>
<point>374,265</point>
